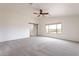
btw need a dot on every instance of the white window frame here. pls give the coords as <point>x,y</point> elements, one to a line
<point>47,30</point>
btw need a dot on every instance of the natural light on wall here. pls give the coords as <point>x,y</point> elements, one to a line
<point>54,28</point>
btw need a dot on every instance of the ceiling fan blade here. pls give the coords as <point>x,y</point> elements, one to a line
<point>35,13</point>
<point>38,16</point>
<point>41,11</point>
<point>45,13</point>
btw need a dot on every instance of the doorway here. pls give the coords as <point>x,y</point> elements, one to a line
<point>33,29</point>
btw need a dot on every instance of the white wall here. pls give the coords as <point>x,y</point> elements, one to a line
<point>70,26</point>
<point>14,19</point>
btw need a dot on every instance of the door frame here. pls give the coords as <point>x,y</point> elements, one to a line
<point>37,28</point>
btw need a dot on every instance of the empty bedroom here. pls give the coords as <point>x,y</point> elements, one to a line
<point>39,29</point>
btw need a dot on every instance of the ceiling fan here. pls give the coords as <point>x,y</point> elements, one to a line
<point>41,13</point>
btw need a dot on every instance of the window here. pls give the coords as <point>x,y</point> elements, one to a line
<point>53,28</point>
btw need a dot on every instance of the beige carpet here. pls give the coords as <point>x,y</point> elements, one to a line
<point>39,46</point>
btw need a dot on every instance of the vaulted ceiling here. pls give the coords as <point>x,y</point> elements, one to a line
<point>58,9</point>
